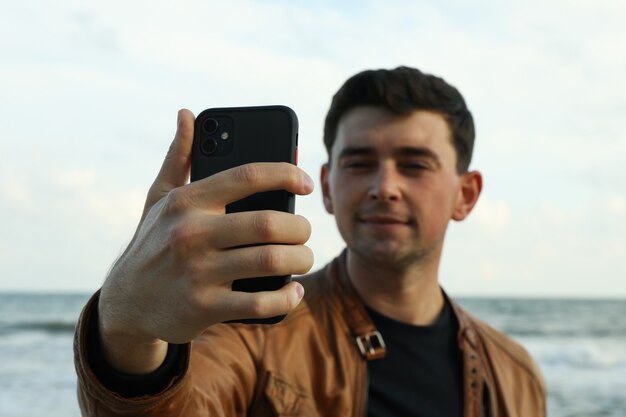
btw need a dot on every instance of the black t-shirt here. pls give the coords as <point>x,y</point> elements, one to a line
<point>422,373</point>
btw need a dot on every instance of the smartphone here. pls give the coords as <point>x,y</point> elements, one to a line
<point>228,137</point>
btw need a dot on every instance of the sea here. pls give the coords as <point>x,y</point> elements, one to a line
<point>580,346</point>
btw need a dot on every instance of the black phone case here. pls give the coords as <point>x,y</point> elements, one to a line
<point>243,135</point>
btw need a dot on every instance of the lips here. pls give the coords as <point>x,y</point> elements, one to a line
<point>383,219</point>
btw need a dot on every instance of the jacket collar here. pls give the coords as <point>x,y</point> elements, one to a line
<point>368,339</point>
<point>477,376</point>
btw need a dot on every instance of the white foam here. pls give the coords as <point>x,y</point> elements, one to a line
<point>580,353</point>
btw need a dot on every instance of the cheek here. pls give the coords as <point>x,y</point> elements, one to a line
<point>346,199</point>
<point>346,191</point>
<point>438,208</point>
<point>342,203</point>
<point>343,211</point>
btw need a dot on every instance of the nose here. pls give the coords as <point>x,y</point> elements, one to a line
<point>385,184</point>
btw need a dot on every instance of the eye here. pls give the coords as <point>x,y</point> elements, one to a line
<point>358,164</point>
<point>414,166</point>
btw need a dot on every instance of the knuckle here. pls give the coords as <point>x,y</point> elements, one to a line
<point>179,242</point>
<point>260,307</point>
<point>248,174</point>
<point>269,259</point>
<point>264,225</point>
<point>177,200</point>
<point>179,233</point>
<point>195,302</point>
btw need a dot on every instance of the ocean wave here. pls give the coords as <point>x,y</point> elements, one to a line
<point>516,331</point>
<point>53,327</point>
<point>599,354</point>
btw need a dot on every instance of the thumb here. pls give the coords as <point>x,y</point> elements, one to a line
<point>175,169</point>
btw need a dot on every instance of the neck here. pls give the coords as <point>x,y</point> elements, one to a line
<point>411,295</point>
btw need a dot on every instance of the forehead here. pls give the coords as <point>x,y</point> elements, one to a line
<point>377,127</point>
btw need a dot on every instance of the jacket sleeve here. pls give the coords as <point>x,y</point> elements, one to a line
<point>217,375</point>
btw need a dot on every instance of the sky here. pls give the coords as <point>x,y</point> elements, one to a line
<point>89,93</point>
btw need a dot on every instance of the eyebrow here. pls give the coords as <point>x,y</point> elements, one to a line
<point>356,151</point>
<point>400,152</point>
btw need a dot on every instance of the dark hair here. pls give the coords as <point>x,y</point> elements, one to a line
<point>403,90</point>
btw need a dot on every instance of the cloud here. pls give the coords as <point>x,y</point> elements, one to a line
<point>492,216</point>
<point>75,178</point>
<point>63,229</point>
<point>550,249</point>
<point>12,191</point>
<point>616,204</point>
<point>90,91</point>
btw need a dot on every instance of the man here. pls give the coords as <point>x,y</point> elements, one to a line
<point>375,334</point>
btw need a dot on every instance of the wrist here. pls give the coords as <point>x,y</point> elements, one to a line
<point>127,350</point>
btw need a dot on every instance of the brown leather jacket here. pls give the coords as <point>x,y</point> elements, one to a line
<point>313,363</point>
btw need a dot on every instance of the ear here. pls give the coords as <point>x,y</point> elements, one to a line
<point>469,191</point>
<point>328,202</point>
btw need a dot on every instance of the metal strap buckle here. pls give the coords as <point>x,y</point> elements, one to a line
<point>371,345</point>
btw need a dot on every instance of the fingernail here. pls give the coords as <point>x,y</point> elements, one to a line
<point>299,291</point>
<point>309,182</point>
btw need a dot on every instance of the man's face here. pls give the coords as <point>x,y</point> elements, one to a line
<point>392,184</point>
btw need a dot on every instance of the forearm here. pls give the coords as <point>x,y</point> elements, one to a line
<point>197,381</point>
<point>104,391</point>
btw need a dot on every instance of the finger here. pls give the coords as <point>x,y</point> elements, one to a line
<point>175,169</point>
<point>257,227</point>
<point>241,305</point>
<point>255,261</point>
<point>236,183</point>
<point>201,234</point>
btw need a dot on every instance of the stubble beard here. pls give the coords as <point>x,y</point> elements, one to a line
<point>390,253</point>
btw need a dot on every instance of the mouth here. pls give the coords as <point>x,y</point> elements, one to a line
<point>384,220</point>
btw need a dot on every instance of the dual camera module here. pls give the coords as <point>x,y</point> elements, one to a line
<point>216,132</point>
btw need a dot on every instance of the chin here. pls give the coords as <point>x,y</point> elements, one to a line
<point>391,253</point>
<point>384,254</point>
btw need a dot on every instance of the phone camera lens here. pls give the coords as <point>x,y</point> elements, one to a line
<point>210,125</point>
<point>209,146</point>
